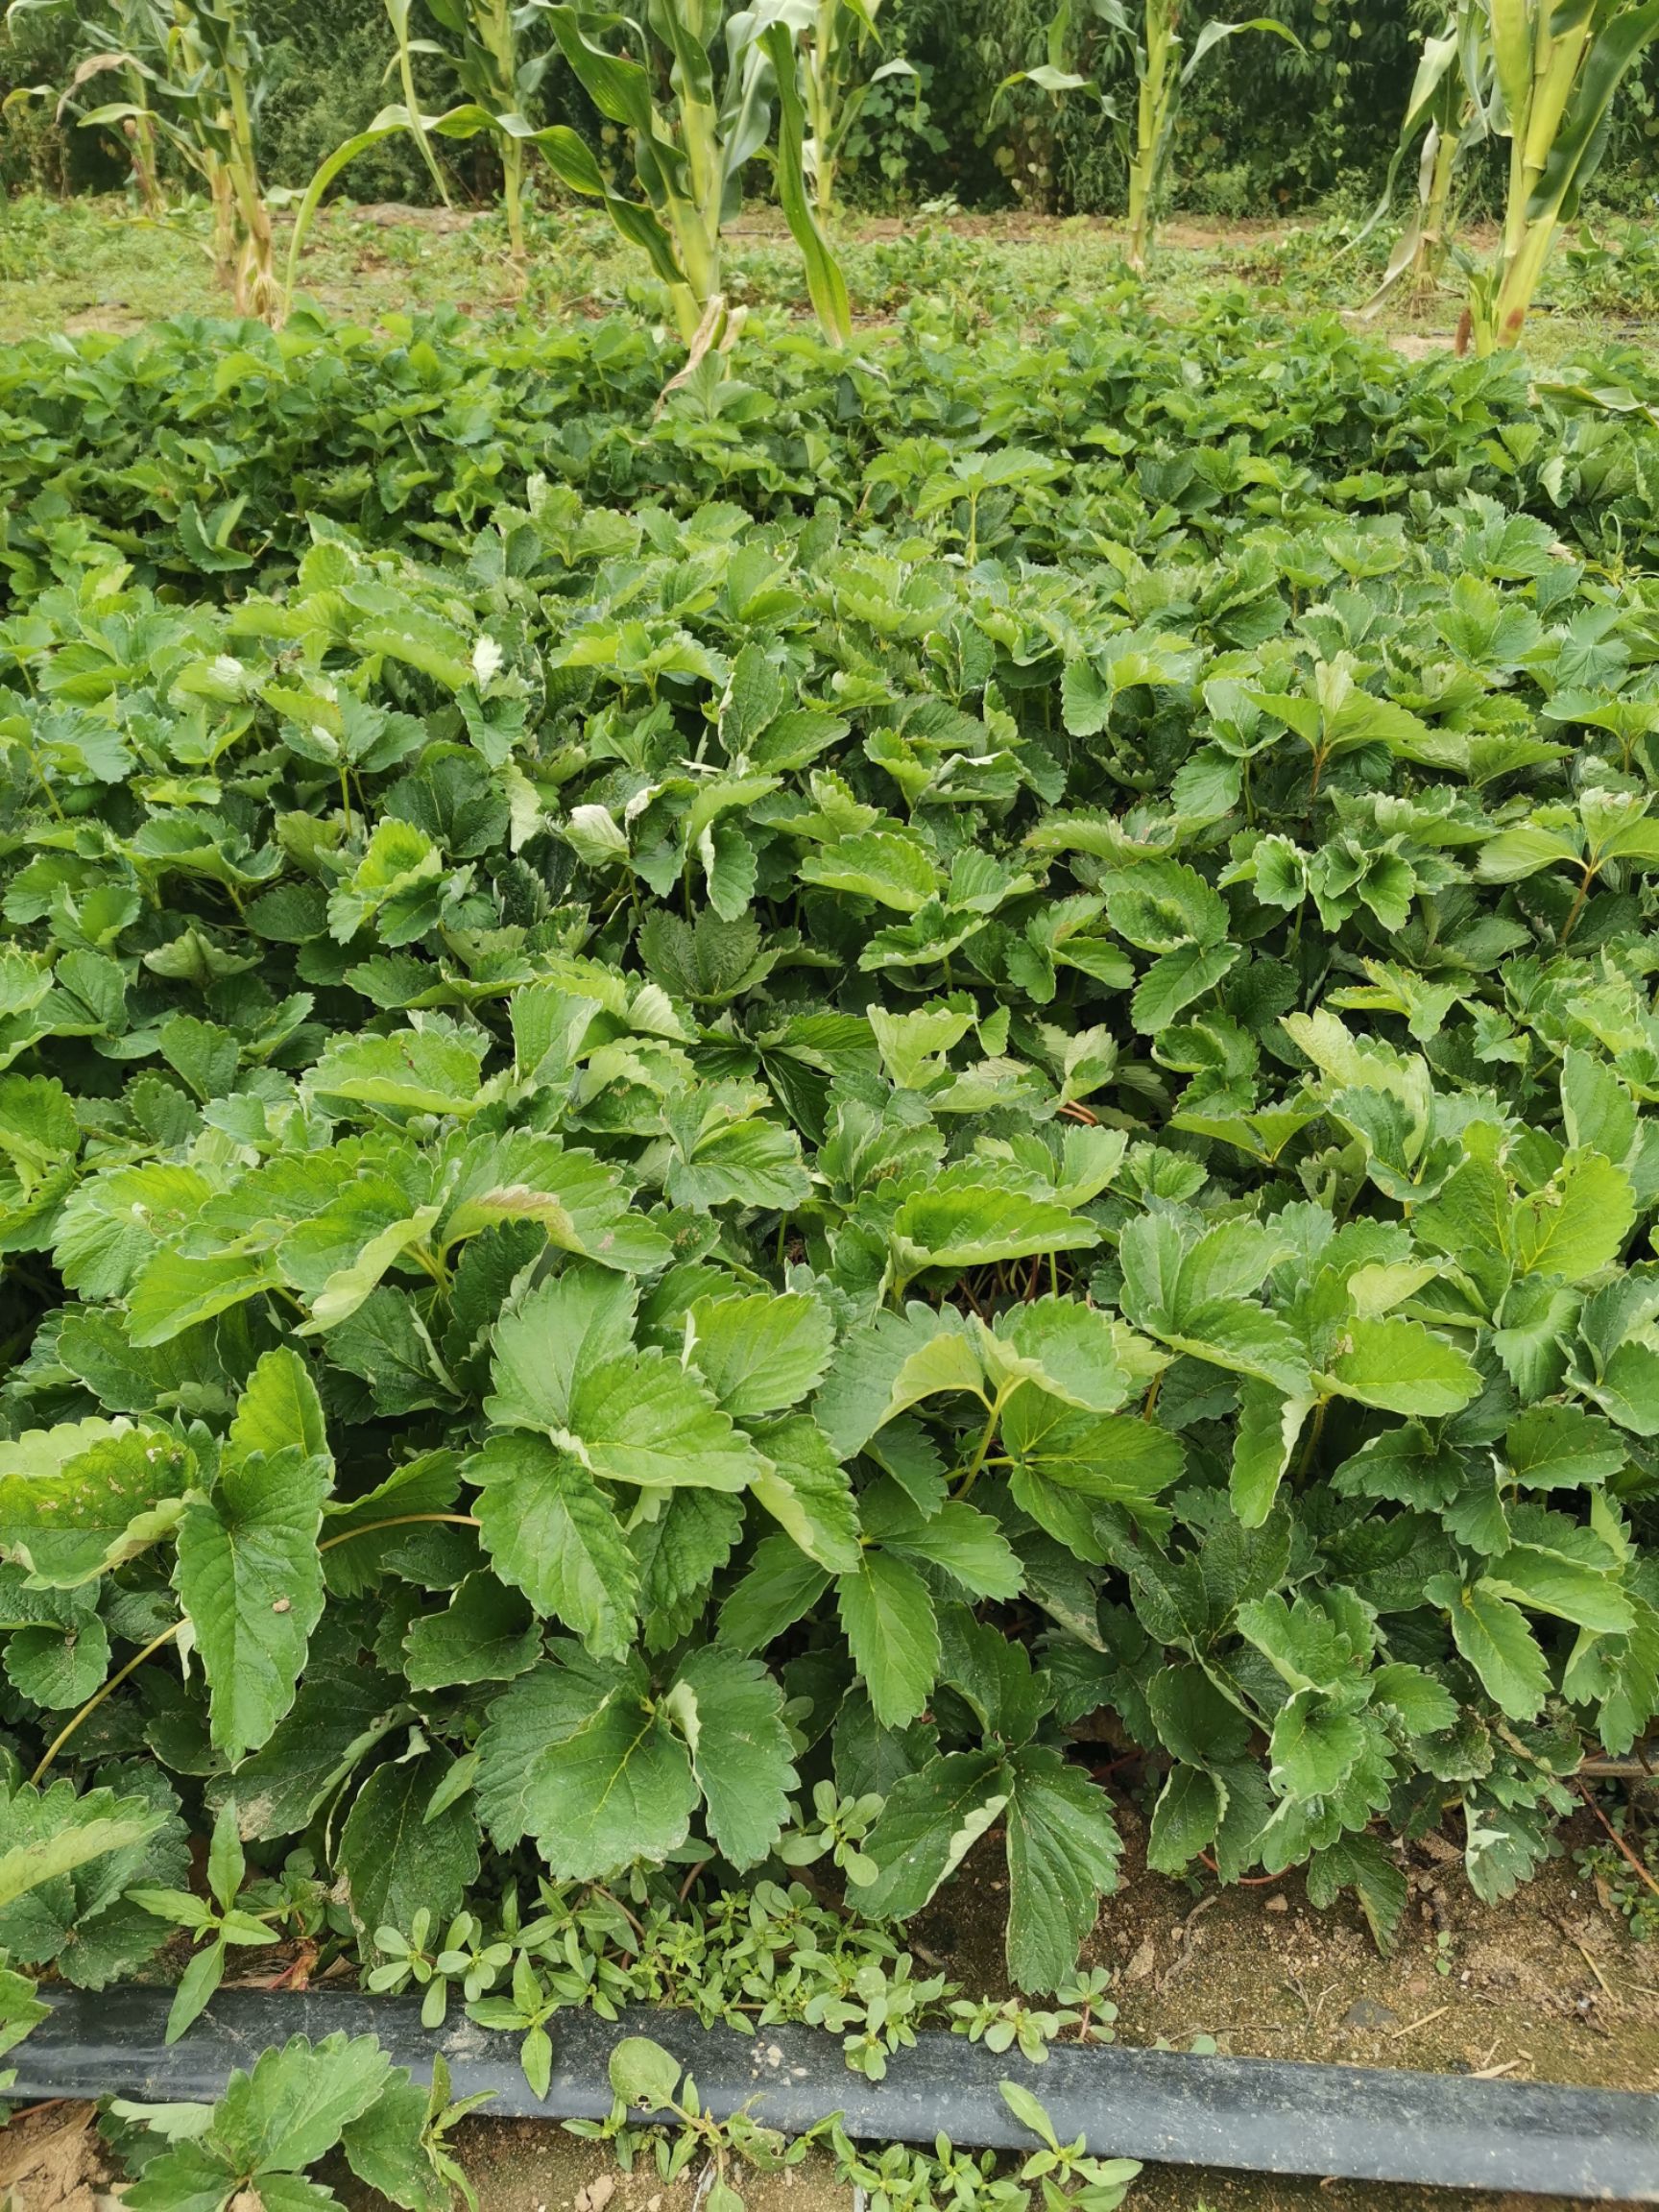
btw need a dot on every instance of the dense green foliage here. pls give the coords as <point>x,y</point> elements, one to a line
<point>788,1087</point>
<point>1247,146</point>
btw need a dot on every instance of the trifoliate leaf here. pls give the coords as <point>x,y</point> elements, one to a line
<point>576,1758</point>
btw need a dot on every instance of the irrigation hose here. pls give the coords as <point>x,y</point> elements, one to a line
<point>1265,2116</point>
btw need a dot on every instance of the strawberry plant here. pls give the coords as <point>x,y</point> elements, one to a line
<point>716,1112</point>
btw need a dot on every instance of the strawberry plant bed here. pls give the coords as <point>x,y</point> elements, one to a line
<point>887,1111</point>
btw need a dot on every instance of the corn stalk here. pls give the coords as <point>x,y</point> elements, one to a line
<point>205,103</point>
<point>1449,110</point>
<point>1556,65</point>
<point>128,37</point>
<point>695,114</point>
<point>834,48</point>
<point>486,56</point>
<point>1164,69</point>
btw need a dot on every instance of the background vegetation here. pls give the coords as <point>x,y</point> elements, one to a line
<point>1273,132</point>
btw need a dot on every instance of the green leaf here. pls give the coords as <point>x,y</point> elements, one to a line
<point>761,1354</point>
<point>70,1832</point>
<point>888,1618</point>
<point>249,1578</point>
<point>551,1532</point>
<point>344,1708</point>
<point>972,1226</point>
<point>930,1821</point>
<point>175,1293</point>
<point>387,2148</point>
<point>1492,1634</point>
<point>580,1320</point>
<point>731,1712</point>
<point>782,1584</point>
<point>644,1420</point>
<point>805,1489</point>
<point>68,1864</point>
<point>1361,1864</point>
<point>1069,1351</point>
<point>1577,1223</point>
<point>1403,1367</point>
<point>393,1858</point>
<point>411,1071</point>
<point>1063,1852</point>
<point>966,1545</point>
<point>1572,1589</point>
<point>892,1364</point>
<point>1562,1447</point>
<point>1269,1423</point>
<point>280,1407</point>
<point>486,1633</point>
<point>885,865</point>
<point>1184,1821</point>
<point>1110,1456</point>
<point>1315,1743</point>
<point>57,1668</point>
<point>79,1499</point>
<point>575,1757</point>
<point>581,1203</point>
<point>291,2110</point>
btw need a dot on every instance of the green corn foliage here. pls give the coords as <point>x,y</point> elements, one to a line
<point>194,81</point>
<point>486,53</point>
<point>1449,110</point>
<point>835,82</point>
<point>1156,47</point>
<point>713,97</point>
<point>128,37</point>
<point>1556,65</point>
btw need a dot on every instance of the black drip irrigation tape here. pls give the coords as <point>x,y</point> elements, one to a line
<point>1354,2122</point>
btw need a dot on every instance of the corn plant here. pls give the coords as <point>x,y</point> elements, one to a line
<point>1449,110</point>
<point>1157,49</point>
<point>125,37</point>
<point>487,57</point>
<point>203,101</point>
<point>691,146</point>
<point>1556,65</point>
<point>693,123</point>
<point>835,48</point>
